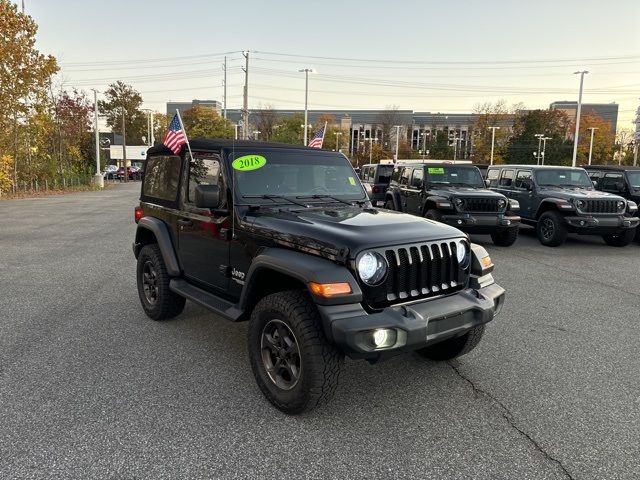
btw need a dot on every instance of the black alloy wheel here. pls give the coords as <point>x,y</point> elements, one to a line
<point>280,354</point>
<point>150,282</point>
<point>547,228</point>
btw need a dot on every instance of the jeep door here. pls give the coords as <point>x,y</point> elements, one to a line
<point>522,191</point>
<point>403,186</point>
<point>414,191</point>
<point>203,234</point>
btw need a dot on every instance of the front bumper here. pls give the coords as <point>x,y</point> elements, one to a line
<point>588,224</point>
<point>418,324</point>
<point>481,223</point>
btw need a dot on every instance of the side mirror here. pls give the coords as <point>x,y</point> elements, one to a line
<point>207,196</point>
<point>487,183</point>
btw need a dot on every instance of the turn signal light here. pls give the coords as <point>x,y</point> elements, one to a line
<point>329,289</point>
<point>486,261</point>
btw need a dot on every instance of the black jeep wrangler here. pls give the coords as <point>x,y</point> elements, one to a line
<point>285,237</point>
<point>375,180</point>
<point>453,194</point>
<point>617,179</point>
<point>559,200</point>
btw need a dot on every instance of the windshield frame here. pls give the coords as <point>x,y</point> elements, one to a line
<point>428,176</point>
<point>230,154</point>
<point>585,175</point>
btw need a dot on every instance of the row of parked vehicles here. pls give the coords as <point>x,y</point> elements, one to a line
<point>554,200</point>
<point>113,172</point>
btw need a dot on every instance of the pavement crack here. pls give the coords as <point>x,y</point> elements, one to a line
<point>508,416</point>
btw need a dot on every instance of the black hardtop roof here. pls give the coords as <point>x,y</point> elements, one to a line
<point>434,164</point>
<point>537,167</point>
<point>205,144</point>
<point>610,167</point>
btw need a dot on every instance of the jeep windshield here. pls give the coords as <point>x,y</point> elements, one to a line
<point>455,176</point>
<point>559,177</point>
<point>316,177</point>
<point>634,179</point>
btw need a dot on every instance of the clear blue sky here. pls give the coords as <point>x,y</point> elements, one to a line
<point>89,37</point>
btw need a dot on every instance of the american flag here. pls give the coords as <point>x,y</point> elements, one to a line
<point>316,141</point>
<point>175,137</point>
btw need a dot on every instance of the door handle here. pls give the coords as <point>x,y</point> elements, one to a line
<point>185,223</point>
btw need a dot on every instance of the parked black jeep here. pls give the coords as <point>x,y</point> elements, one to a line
<point>284,237</point>
<point>456,195</point>
<point>375,180</point>
<point>617,179</point>
<point>559,200</point>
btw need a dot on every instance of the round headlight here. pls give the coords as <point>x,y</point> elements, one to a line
<point>621,205</point>
<point>372,268</point>
<point>458,202</point>
<point>462,253</point>
<point>502,203</point>
<point>580,204</point>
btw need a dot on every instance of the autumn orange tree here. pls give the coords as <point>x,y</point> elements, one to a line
<point>603,140</point>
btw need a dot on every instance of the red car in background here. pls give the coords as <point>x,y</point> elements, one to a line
<point>135,173</point>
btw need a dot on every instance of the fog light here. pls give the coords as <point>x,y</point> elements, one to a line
<point>581,222</point>
<point>383,337</point>
<point>508,222</point>
<point>459,222</point>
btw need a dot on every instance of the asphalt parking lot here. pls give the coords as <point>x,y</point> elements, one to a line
<point>91,388</point>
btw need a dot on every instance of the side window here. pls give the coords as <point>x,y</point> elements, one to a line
<point>609,182</point>
<point>492,176</point>
<point>506,180</point>
<point>395,177</point>
<point>404,176</point>
<point>416,179</point>
<point>523,179</point>
<point>203,171</point>
<point>161,178</point>
<point>594,175</point>
<point>371,173</point>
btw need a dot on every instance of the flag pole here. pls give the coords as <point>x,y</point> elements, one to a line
<point>184,133</point>
<point>324,132</point>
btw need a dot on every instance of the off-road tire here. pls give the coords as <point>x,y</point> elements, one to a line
<point>559,230</point>
<point>168,304</point>
<point>620,239</point>
<point>434,214</point>
<point>505,237</point>
<point>320,362</point>
<point>454,347</point>
<point>388,204</point>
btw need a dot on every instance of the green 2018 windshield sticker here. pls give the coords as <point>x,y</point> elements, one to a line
<point>249,162</point>
<point>436,170</point>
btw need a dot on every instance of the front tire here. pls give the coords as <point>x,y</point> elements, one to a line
<point>434,214</point>
<point>621,239</point>
<point>551,229</point>
<point>505,237</point>
<point>294,365</point>
<point>388,204</point>
<point>158,302</point>
<point>454,347</point>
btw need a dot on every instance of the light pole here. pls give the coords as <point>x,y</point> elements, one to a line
<point>371,140</point>
<point>337,134</point>
<point>256,133</point>
<point>575,139</point>
<point>425,134</point>
<point>397,142</point>
<point>306,71</point>
<point>493,141</point>
<point>544,147</point>
<point>149,127</point>
<point>593,129</point>
<point>98,179</point>
<point>305,127</point>
<point>539,137</point>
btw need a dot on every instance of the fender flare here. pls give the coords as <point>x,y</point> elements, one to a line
<point>433,200</point>
<point>394,198</point>
<point>161,232</point>
<point>304,268</point>
<point>553,201</point>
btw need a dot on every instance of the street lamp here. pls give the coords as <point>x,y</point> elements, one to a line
<point>305,128</point>
<point>371,140</point>
<point>256,133</point>
<point>539,137</point>
<point>98,178</point>
<point>337,134</point>
<point>544,147</point>
<point>397,142</point>
<point>593,129</point>
<point>575,139</point>
<point>149,126</point>
<point>306,71</point>
<point>493,141</point>
<point>424,136</point>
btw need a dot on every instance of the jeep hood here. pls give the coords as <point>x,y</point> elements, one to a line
<point>463,192</point>
<point>343,232</point>
<point>579,193</point>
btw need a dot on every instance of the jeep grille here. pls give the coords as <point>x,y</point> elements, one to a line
<point>480,205</point>
<point>418,271</point>
<point>601,206</point>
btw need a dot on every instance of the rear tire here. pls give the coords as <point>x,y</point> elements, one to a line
<point>158,302</point>
<point>505,237</point>
<point>433,214</point>
<point>295,366</point>
<point>454,347</point>
<point>551,229</point>
<point>388,204</point>
<point>621,239</point>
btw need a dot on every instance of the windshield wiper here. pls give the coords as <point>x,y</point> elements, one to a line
<point>318,196</point>
<point>275,197</point>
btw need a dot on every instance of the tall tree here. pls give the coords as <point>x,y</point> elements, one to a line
<point>264,120</point>
<point>289,130</point>
<point>524,144</point>
<point>205,122</point>
<point>492,115</point>
<point>121,96</point>
<point>603,140</point>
